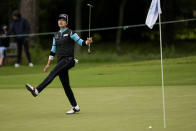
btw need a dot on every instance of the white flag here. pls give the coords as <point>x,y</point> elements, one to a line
<point>153,13</point>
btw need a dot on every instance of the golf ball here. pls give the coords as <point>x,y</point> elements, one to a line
<point>150,127</point>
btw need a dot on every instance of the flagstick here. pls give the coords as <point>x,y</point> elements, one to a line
<point>89,29</point>
<point>163,89</point>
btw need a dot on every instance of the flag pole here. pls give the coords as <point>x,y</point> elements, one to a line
<point>163,87</point>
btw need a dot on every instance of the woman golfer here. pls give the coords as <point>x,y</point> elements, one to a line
<point>63,46</point>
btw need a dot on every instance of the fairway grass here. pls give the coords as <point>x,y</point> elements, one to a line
<point>102,109</point>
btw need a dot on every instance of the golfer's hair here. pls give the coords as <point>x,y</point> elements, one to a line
<point>16,13</point>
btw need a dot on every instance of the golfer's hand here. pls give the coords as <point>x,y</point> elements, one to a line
<point>46,68</point>
<point>89,40</point>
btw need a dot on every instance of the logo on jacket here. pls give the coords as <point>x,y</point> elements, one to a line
<point>65,35</point>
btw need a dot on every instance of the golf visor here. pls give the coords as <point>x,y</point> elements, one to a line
<point>63,16</point>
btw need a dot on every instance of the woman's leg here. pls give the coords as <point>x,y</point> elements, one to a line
<point>63,63</point>
<point>26,47</point>
<point>1,61</point>
<point>64,77</point>
<point>1,56</point>
<point>19,51</point>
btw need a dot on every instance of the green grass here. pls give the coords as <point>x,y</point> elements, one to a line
<point>179,71</point>
<point>102,109</point>
<point>113,96</point>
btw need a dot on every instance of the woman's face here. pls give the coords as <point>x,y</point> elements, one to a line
<point>5,30</point>
<point>14,18</point>
<point>62,23</point>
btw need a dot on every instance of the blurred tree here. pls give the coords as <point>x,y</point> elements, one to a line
<point>187,7</point>
<point>168,9</point>
<point>105,14</point>
<point>176,10</point>
<point>78,21</point>
<point>120,23</point>
<point>29,10</point>
<point>6,8</point>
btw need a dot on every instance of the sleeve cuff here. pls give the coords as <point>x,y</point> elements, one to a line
<point>84,43</point>
<point>51,57</point>
<point>52,53</point>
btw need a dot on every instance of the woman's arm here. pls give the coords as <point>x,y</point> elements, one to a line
<point>51,56</point>
<point>47,65</point>
<point>79,41</point>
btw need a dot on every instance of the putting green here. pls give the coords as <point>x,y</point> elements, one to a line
<point>102,109</point>
<point>119,97</point>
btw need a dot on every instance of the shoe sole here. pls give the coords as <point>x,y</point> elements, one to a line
<point>77,110</point>
<point>29,89</point>
<point>70,113</point>
<point>73,112</point>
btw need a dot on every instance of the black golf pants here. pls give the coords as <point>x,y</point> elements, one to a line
<point>61,69</point>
